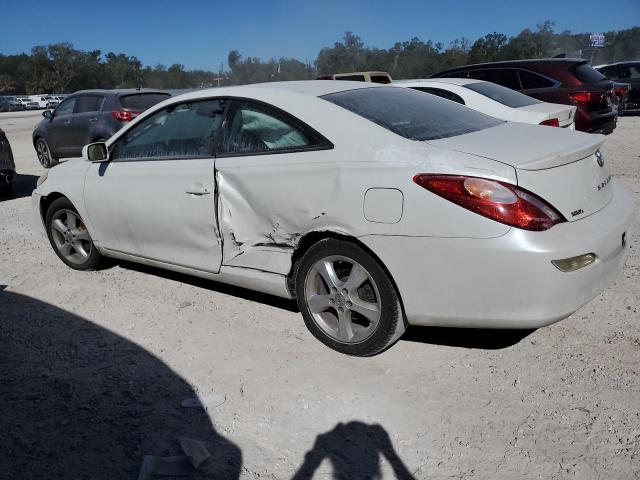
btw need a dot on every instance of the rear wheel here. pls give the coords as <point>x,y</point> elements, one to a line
<point>69,236</point>
<point>44,154</point>
<point>347,300</point>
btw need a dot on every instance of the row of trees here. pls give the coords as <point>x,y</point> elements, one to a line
<point>62,68</point>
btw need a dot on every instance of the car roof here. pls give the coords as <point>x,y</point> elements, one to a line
<point>507,63</point>
<point>119,91</point>
<point>313,88</point>
<point>625,62</point>
<point>450,81</point>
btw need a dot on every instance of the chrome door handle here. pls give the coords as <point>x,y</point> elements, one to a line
<point>198,189</point>
<point>93,119</point>
<point>67,122</point>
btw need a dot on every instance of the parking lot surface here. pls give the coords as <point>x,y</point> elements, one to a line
<point>94,368</point>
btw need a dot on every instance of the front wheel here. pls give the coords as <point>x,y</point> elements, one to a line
<point>69,236</point>
<point>44,154</point>
<point>347,299</point>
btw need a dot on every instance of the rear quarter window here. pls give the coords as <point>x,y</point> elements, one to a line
<point>142,101</point>
<point>412,114</point>
<point>530,80</point>
<point>586,74</point>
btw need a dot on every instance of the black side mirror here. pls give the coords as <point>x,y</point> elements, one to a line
<point>47,114</point>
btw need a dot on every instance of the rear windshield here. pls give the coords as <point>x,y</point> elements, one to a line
<point>412,114</point>
<point>142,101</point>
<point>587,74</point>
<point>501,94</point>
<point>380,79</point>
<point>354,78</point>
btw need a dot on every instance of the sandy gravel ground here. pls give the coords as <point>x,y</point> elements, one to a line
<point>94,367</point>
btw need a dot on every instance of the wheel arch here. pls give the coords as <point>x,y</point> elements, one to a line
<point>311,238</point>
<point>47,200</point>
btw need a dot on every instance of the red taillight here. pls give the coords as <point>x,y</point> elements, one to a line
<point>124,115</point>
<point>587,97</point>
<point>499,201</point>
<point>552,122</point>
<point>622,90</point>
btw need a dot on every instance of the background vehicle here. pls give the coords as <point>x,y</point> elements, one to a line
<point>12,104</point>
<point>88,116</point>
<point>556,80</point>
<point>53,101</point>
<point>626,72</point>
<point>7,167</point>
<point>374,77</point>
<point>622,90</point>
<point>495,100</point>
<point>28,103</point>
<point>364,202</point>
<point>42,100</point>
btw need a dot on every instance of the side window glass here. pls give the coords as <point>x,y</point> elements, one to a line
<point>442,93</point>
<point>634,71</point>
<point>88,103</point>
<point>531,80</point>
<point>65,108</point>
<point>507,77</point>
<point>252,128</point>
<point>186,130</point>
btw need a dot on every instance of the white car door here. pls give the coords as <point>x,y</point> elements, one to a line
<point>265,159</point>
<point>155,198</point>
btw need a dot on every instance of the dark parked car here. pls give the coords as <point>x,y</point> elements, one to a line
<point>10,104</point>
<point>626,72</point>
<point>88,116</point>
<point>556,80</point>
<point>7,167</point>
<point>623,90</point>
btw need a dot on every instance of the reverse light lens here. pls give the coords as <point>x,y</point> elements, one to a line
<point>499,201</point>
<point>551,122</point>
<point>574,263</point>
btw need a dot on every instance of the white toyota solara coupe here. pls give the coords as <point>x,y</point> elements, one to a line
<point>375,207</point>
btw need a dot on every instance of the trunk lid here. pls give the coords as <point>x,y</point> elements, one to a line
<point>559,165</point>
<point>564,113</point>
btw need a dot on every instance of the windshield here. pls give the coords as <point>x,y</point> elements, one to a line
<point>412,114</point>
<point>501,94</point>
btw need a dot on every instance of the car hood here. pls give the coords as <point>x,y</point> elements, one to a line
<point>525,147</point>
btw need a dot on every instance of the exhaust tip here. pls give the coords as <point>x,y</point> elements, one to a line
<point>9,178</point>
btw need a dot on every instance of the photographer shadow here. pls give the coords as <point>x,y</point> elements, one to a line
<point>355,451</point>
<point>81,402</point>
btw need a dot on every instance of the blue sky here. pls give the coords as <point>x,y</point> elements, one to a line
<point>200,33</point>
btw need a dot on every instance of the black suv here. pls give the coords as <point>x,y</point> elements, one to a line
<point>626,72</point>
<point>571,81</point>
<point>88,116</point>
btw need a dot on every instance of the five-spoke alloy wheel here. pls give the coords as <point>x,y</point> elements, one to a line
<point>347,300</point>
<point>44,154</point>
<point>69,236</point>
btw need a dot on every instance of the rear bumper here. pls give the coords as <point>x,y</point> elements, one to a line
<point>509,281</point>
<point>592,122</point>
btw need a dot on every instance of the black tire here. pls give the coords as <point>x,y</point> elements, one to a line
<point>45,157</point>
<point>391,323</point>
<point>57,210</point>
